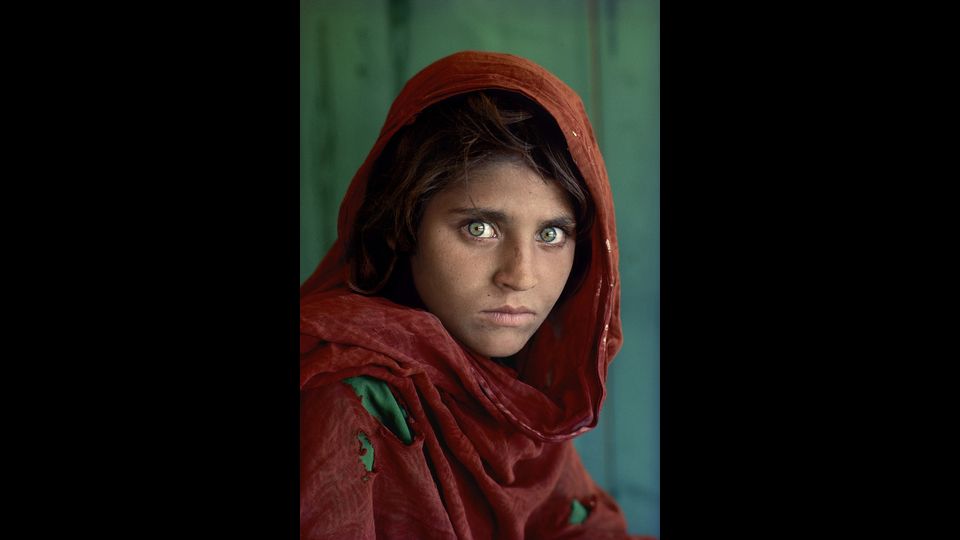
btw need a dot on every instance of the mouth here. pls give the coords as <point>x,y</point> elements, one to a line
<point>509,316</point>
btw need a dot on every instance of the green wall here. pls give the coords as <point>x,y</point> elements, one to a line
<point>355,56</point>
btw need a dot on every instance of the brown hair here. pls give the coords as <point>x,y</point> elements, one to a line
<point>444,144</point>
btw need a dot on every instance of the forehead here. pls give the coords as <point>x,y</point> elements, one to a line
<point>510,186</point>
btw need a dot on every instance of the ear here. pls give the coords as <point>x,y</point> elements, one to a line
<point>392,243</point>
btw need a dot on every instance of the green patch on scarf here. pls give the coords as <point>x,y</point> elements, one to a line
<point>378,400</point>
<point>578,514</point>
<point>366,451</point>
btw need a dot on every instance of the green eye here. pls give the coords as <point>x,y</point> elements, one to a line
<point>550,235</point>
<point>476,229</point>
<point>479,229</point>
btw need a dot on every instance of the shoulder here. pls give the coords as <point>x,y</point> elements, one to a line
<point>335,464</point>
<point>331,411</point>
<point>361,401</point>
<point>380,402</point>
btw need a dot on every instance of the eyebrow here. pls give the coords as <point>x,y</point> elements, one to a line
<point>492,215</point>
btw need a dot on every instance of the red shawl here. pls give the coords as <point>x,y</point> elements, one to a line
<point>491,455</point>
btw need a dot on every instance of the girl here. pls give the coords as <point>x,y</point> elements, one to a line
<point>456,336</point>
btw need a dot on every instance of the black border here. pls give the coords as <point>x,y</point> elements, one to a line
<point>206,267</point>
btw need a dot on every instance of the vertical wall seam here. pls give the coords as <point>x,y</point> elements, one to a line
<point>595,99</point>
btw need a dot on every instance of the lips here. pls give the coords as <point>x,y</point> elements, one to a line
<point>509,316</point>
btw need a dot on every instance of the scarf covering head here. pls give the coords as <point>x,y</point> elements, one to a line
<point>482,421</point>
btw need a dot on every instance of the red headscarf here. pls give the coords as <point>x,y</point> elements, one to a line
<point>491,456</point>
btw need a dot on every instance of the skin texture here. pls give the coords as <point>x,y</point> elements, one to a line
<point>514,253</point>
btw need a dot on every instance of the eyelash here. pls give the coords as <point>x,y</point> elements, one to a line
<point>567,233</point>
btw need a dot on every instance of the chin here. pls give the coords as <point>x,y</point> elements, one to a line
<point>499,349</point>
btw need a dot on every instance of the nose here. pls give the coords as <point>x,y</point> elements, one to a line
<point>516,269</point>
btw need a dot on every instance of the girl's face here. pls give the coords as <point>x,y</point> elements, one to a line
<point>493,255</point>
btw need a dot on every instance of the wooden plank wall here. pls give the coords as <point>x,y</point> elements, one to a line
<point>355,56</point>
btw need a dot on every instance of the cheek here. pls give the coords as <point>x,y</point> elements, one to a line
<point>558,269</point>
<point>461,270</point>
<point>445,266</point>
